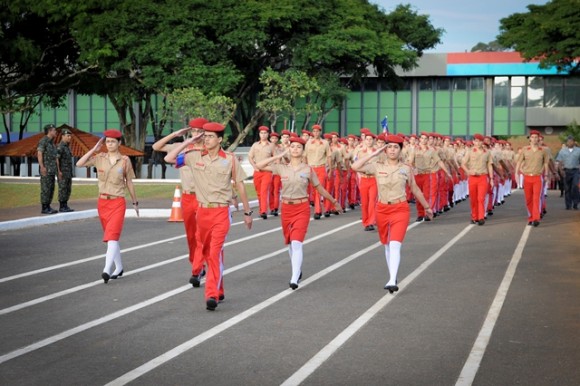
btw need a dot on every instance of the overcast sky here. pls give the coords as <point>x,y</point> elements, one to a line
<point>466,22</point>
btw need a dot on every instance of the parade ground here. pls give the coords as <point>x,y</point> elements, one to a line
<point>496,304</point>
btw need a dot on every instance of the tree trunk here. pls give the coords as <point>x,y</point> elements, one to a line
<point>251,124</point>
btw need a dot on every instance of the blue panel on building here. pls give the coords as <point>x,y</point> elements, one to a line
<point>499,69</point>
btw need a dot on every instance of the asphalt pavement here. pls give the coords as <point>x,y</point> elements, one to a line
<point>485,305</point>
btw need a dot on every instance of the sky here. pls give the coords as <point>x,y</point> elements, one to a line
<point>466,22</point>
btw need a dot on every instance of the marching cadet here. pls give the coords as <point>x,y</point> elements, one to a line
<point>334,175</point>
<point>533,163</point>
<point>64,166</point>
<point>115,173</point>
<point>318,156</point>
<point>262,179</point>
<point>478,165</point>
<point>274,198</point>
<point>189,204</point>
<point>393,211</point>
<point>296,176</point>
<point>367,184</point>
<point>213,171</point>
<point>352,187</point>
<point>46,154</point>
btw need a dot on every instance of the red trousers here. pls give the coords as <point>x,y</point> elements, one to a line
<point>368,200</point>
<point>275,192</point>
<point>112,216</point>
<point>428,184</point>
<point>321,174</point>
<point>352,187</point>
<point>342,187</point>
<point>392,221</point>
<point>213,225</point>
<point>262,182</point>
<point>442,189</point>
<point>477,191</point>
<point>533,192</point>
<point>330,188</point>
<point>189,207</point>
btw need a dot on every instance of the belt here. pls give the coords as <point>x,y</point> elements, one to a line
<point>367,176</point>
<point>317,166</point>
<point>398,201</point>
<point>213,205</point>
<point>108,196</point>
<point>294,201</point>
<point>532,175</point>
<point>188,192</point>
<point>477,175</point>
<point>424,172</point>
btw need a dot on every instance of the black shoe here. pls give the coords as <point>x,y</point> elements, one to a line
<point>118,275</point>
<point>211,304</point>
<point>351,206</point>
<point>446,208</point>
<point>327,214</point>
<point>221,298</point>
<point>317,216</point>
<point>368,228</point>
<point>264,216</point>
<point>419,219</point>
<point>293,286</point>
<point>481,222</point>
<point>105,277</point>
<point>371,227</point>
<point>530,223</point>
<point>473,222</point>
<point>544,211</point>
<point>391,288</point>
<point>428,219</point>
<point>275,212</point>
<point>536,223</point>
<point>490,212</point>
<point>335,212</point>
<point>195,280</point>
<point>46,209</point>
<point>311,203</point>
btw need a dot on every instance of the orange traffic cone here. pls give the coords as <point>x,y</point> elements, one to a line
<point>176,213</point>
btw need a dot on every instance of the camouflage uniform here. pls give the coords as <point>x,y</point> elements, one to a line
<point>48,149</point>
<point>64,156</point>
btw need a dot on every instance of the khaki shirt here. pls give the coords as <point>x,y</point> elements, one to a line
<point>186,175</point>
<point>364,152</point>
<point>336,157</point>
<point>260,151</point>
<point>213,178</point>
<point>533,161</point>
<point>316,151</point>
<point>391,180</point>
<point>295,180</point>
<point>426,160</point>
<point>112,177</point>
<point>477,160</point>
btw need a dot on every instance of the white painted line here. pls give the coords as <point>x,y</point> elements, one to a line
<point>81,287</point>
<point>118,314</point>
<point>471,366</point>
<point>322,356</point>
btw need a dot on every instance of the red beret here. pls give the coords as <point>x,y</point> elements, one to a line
<point>327,136</point>
<point>112,133</point>
<point>306,132</point>
<point>264,128</point>
<point>197,123</point>
<point>214,127</point>
<point>401,135</point>
<point>298,139</point>
<point>382,137</point>
<point>316,127</point>
<point>478,136</point>
<point>294,135</point>
<point>426,134</point>
<point>343,140</point>
<point>394,139</point>
<point>286,132</point>
<point>274,134</point>
<point>365,131</point>
<point>369,134</point>
<point>334,133</point>
<point>413,136</point>
<point>352,136</point>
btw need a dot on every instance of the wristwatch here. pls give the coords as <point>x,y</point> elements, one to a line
<point>248,213</point>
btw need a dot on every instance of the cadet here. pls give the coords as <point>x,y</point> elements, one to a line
<point>262,178</point>
<point>46,153</point>
<point>65,170</point>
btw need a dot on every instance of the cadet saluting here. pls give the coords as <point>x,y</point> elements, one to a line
<point>115,173</point>
<point>392,213</point>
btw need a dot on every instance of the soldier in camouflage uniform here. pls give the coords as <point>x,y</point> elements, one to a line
<point>65,171</point>
<point>46,153</point>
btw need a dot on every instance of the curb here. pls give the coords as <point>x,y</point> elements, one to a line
<point>83,215</point>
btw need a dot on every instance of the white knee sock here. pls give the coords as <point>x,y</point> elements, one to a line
<point>113,255</point>
<point>387,256</point>
<point>296,259</point>
<point>394,261</point>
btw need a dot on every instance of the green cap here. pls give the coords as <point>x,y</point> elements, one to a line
<point>66,131</point>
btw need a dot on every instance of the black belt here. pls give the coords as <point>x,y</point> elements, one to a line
<point>570,169</point>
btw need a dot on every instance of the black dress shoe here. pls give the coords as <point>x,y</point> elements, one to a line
<point>118,275</point>
<point>481,222</point>
<point>536,223</point>
<point>264,216</point>
<point>221,298</point>
<point>368,228</point>
<point>446,208</point>
<point>211,304</point>
<point>391,288</point>
<point>105,277</point>
<point>351,206</point>
<point>317,216</point>
<point>419,219</point>
<point>327,214</point>
<point>490,212</point>
<point>335,212</point>
<point>293,286</point>
<point>371,227</point>
<point>530,223</point>
<point>473,222</point>
<point>275,212</point>
<point>427,218</point>
<point>195,280</point>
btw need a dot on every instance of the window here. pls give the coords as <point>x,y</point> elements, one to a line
<point>425,84</point>
<point>517,91</point>
<point>443,84</point>
<point>554,92</point>
<point>459,84</point>
<point>535,91</point>
<point>572,91</point>
<point>500,91</point>
<point>476,84</point>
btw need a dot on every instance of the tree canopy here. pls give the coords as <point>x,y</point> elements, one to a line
<point>548,33</point>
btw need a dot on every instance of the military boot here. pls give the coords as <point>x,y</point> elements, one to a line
<point>46,209</point>
<point>64,207</point>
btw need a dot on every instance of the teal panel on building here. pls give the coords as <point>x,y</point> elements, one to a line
<point>443,99</point>
<point>371,99</point>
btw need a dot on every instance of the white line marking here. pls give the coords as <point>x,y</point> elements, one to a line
<point>322,356</point>
<point>81,287</point>
<point>471,366</point>
<point>138,306</point>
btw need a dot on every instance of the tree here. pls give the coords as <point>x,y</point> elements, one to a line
<point>548,33</point>
<point>572,129</point>
<point>492,46</point>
